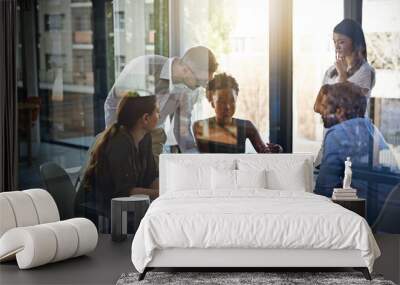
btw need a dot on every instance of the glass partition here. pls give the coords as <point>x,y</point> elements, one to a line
<point>383,42</point>
<point>66,78</point>
<point>207,62</point>
<point>313,54</point>
<point>381,26</point>
<point>237,32</point>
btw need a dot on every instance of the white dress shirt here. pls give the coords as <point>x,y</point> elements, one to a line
<point>363,77</point>
<point>177,100</point>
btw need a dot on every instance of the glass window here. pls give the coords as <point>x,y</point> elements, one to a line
<point>55,61</point>
<point>313,54</point>
<point>382,32</point>
<point>120,16</point>
<point>381,26</point>
<point>121,62</point>
<point>66,72</point>
<point>19,51</point>
<point>55,108</point>
<point>61,94</point>
<point>135,29</point>
<point>237,32</point>
<point>54,22</point>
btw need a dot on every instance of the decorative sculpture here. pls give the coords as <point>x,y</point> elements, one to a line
<point>347,174</point>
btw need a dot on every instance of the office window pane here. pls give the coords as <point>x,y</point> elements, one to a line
<point>313,54</point>
<point>382,32</point>
<point>237,32</point>
<point>56,85</point>
<point>66,81</point>
<point>19,51</point>
<point>140,28</point>
<point>54,22</point>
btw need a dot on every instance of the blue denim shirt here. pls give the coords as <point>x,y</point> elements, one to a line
<point>360,140</point>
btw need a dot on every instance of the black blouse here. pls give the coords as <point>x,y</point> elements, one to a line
<point>244,130</point>
<point>124,166</point>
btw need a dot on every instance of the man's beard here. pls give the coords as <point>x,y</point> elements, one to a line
<point>330,120</point>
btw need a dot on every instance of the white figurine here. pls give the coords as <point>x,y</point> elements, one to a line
<point>347,174</point>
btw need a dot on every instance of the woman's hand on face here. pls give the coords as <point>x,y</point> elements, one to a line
<point>341,67</point>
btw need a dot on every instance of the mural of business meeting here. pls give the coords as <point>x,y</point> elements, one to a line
<point>200,133</point>
<point>197,114</point>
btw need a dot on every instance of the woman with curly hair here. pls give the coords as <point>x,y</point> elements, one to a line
<point>224,133</point>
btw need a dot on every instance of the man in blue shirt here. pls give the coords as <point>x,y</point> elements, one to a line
<point>350,134</point>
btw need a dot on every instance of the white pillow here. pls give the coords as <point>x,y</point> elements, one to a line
<point>251,178</point>
<point>283,172</point>
<point>224,179</point>
<point>183,177</point>
<point>189,175</point>
<point>291,179</point>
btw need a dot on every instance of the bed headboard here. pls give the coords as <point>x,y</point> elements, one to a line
<point>285,161</point>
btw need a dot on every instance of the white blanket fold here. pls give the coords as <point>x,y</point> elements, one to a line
<point>253,218</point>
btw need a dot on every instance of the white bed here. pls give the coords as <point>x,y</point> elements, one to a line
<point>221,210</point>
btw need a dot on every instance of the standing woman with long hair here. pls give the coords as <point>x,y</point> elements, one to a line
<point>122,161</point>
<point>351,64</point>
<point>351,57</point>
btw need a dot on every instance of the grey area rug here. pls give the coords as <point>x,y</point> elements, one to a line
<point>225,278</point>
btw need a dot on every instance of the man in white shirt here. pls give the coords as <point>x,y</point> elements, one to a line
<point>173,80</point>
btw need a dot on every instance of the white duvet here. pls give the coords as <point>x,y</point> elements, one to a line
<point>253,218</point>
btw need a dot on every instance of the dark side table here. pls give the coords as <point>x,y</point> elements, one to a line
<point>120,207</point>
<point>355,205</point>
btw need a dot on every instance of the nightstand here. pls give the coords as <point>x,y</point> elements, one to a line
<point>120,207</point>
<point>355,205</point>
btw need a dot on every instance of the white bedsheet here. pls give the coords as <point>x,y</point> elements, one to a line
<point>252,218</point>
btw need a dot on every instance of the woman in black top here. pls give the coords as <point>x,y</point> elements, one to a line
<point>223,133</point>
<point>122,162</point>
